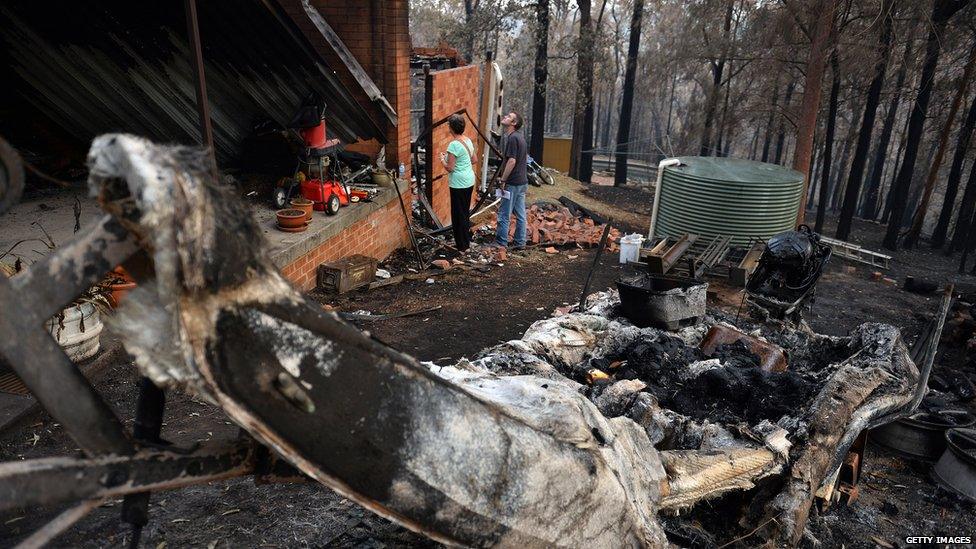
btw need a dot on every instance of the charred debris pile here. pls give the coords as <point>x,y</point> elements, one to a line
<point>588,431</point>
<point>693,397</point>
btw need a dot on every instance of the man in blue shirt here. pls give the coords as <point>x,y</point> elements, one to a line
<point>515,180</point>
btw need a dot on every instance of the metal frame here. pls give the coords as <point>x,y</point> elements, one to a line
<point>118,463</point>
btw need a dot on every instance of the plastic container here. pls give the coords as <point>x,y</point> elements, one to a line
<point>711,196</point>
<point>314,136</point>
<point>79,332</point>
<point>630,248</point>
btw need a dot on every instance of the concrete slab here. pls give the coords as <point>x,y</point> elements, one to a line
<point>55,214</point>
<point>287,247</point>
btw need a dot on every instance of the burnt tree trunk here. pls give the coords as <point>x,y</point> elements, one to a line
<point>674,82</point>
<point>869,209</point>
<point>755,144</point>
<point>781,129</point>
<point>942,11</point>
<point>718,68</point>
<point>894,173</point>
<point>541,72</point>
<point>627,102</point>
<point>607,115</point>
<point>915,232</point>
<point>810,104</point>
<point>470,7</point>
<point>837,178</point>
<point>864,138</point>
<point>828,145</point>
<point>768,138</point>
<point>966,208</point>
<point>724,140</point>
<point>955,176</point>
<point>815,169</point>
<point>583,105</point>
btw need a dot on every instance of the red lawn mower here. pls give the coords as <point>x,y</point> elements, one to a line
<point>328,191</point>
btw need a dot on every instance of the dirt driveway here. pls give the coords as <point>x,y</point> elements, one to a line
<point>477,310</point>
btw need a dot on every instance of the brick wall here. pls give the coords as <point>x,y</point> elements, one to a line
<point>453,89</point>
<point>376,32</point>
<point>376,235</point>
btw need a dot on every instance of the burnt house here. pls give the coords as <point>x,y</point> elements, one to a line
<point>108,66</point>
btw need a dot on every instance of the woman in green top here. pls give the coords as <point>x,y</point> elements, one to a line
<point>459,161</point>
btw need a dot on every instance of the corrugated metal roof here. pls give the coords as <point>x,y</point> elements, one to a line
<point>105,66</point>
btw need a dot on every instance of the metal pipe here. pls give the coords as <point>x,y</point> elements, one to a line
<point>54,480</point>
<point>657,191</point>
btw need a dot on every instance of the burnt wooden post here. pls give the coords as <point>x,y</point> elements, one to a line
<point>200,77</point>
<point>428,136</point>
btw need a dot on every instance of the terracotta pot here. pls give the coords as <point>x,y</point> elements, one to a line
<point>118,291</point>
<point>123,274</point>
<point>291,218</point>
<point>303,204</point>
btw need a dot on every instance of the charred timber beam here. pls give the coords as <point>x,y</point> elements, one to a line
<point>661,263</point>
<point>60,479</point>
<point>54,281</point>
<point>56,383</point>
<point>349,60</point>
<point>48,286</point>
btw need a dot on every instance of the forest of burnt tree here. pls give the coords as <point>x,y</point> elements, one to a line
<point>872,98</point>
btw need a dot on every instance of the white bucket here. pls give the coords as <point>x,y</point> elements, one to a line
<point>78,334</point>
<point>630,248</point>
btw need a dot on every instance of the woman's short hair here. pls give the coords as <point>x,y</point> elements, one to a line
<point>456,123</point>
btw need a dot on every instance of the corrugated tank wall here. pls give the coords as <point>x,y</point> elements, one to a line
<point>711,196</point>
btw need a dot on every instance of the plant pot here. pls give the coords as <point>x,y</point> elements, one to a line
<point>303,204</point>
<point>118,291</point>
<point>78,332</point>
<point>121,283</point>
<point>382,179</point>
<point>291,219</point>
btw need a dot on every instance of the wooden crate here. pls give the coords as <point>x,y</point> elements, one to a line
<point>347,273</point>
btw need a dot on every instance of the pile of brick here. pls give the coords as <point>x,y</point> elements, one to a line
<point>554,224</point>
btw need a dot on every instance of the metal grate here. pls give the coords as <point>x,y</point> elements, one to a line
<point>12,385</point>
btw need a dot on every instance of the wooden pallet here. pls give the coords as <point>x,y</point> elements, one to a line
<point>688,255</point>
<point>745,263</point>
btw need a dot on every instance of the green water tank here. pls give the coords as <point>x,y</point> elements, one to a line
<point>711,196</point>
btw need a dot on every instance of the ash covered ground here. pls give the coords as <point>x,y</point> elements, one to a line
<point>897,499</point>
